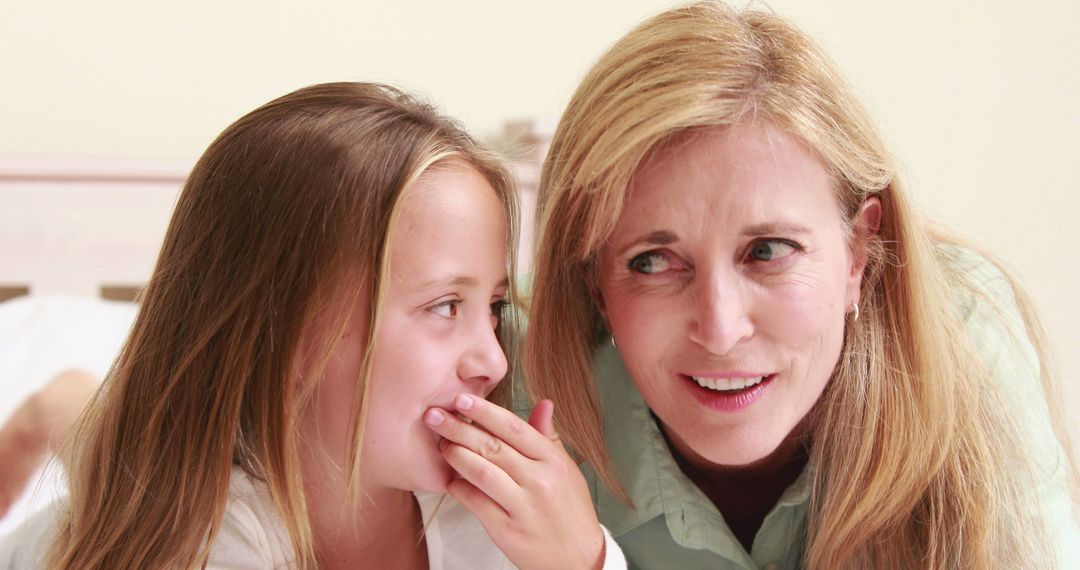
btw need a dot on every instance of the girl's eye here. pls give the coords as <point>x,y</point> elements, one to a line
<point>771,250</point>
<point>446,309</point>
<point>650,262</point>
<point>499,307</point>
<point>498,310</point>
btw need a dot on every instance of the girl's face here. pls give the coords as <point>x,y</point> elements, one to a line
<point>447,286</point>
<point>725,284</point>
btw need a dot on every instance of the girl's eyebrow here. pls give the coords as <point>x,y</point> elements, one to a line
<point>459,281</point>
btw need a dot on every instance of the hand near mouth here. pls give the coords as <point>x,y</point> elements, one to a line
<point>517,478</point>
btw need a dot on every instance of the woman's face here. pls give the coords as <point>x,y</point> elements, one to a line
<point>437,338</point>
<point>725,285</point>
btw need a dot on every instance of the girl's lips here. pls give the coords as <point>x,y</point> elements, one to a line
<point>748,391</point>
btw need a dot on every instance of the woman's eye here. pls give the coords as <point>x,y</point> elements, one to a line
<point>771,250</point>
<point>446,309</point>
<point>650,262</point>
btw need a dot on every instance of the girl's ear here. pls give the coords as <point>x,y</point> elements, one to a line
<point>864,230</point>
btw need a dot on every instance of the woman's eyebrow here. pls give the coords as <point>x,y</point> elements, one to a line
<point>656,237</point>
<point>776,228</point>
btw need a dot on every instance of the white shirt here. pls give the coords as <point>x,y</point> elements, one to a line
<point>253,536</point>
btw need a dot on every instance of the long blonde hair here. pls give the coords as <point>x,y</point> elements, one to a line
<point>910,435</point>
<point>291,205</point>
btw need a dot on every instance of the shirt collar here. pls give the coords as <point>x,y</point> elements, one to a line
<point>651,476</point>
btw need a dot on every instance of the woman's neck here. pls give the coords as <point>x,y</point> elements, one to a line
<point>745,494</point>
<point>382,529</point>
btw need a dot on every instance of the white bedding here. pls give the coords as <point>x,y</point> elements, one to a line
<point>41,336</point>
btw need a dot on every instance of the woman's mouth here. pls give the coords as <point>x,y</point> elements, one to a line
<point>728,394</point>
<point>728,384</point>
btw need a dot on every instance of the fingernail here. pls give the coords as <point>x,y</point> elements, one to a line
<point>434,417</point>
<point>463,402</point>
<point>442,444</point>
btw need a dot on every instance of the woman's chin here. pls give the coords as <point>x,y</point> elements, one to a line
<point>735,451</point>
<point>753,454</point>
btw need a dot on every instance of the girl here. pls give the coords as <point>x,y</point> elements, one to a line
<point>335,269</point>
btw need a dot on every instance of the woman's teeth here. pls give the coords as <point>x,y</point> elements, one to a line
<point>724,384</point>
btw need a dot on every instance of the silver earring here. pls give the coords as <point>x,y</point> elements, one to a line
<point>612,337</point>
<point>856,317</point>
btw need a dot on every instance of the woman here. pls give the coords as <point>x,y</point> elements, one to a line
<point>330,290</point>
<point>764,357</point>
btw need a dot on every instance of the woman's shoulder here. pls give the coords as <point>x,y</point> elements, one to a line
<point>970,270</point>
<point>992,309</point>
<point>998,323</point>
<point>252,534</point>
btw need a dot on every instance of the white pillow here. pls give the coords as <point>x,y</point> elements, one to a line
<point>41,336</point>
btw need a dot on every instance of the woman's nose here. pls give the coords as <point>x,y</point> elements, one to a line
<point>720,314</point>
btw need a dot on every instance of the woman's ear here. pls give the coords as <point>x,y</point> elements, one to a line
<point>865,228</point>
<point>868,219</point>
<point>592,279</point>
<point>598,299</point>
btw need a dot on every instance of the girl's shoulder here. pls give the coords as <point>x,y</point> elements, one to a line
<point>455,538</point>
<point>457,541</point>
<point>27,545</point>
<point>252,534</point>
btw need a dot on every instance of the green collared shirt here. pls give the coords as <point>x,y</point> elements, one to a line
<point>674,525</point>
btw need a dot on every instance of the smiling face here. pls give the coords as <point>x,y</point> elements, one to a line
<point>725,285</point>
<point>447,283</point>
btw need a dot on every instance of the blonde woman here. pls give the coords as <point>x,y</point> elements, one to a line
<point>763,356</point>
<point>328,300</point>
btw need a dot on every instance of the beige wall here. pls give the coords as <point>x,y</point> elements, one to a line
<point>977,99</point>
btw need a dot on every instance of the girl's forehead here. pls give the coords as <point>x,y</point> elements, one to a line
<point>447,193</point>
<point>452,223</point>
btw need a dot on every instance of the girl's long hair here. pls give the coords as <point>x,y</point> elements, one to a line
<point>919,462</point>
<point>291,205</point>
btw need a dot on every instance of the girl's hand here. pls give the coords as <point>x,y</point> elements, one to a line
<point>517,478</point>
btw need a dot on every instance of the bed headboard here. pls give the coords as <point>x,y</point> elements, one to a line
<point>93,227</point>
<point>83,226</point>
